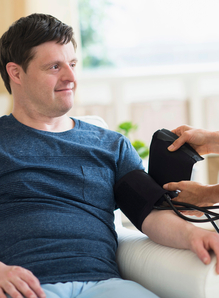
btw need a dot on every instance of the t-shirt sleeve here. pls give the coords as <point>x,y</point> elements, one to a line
<point>128,160</point>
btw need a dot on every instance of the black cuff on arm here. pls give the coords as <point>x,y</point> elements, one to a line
<point>136,193</point>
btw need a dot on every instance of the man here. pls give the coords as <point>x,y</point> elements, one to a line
<point>57,178</point>
<point>204,142</point>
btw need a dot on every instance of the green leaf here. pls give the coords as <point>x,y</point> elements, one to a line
<point>141,148</point>
<point>126,127</point>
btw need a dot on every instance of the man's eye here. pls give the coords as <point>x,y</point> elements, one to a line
<point>55,66</point>
<point>73,65</point>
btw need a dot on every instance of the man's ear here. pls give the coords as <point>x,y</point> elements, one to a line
<point>14,72</point>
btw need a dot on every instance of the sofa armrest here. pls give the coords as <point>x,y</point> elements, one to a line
<point>168,272</point>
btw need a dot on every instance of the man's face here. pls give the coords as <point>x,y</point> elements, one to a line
<point>49,83</point>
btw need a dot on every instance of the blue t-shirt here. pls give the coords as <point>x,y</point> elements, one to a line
<point>57,201</point>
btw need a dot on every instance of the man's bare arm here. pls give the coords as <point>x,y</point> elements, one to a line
<point>166,228</point>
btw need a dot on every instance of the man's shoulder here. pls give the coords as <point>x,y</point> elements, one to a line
<point>5,120</point>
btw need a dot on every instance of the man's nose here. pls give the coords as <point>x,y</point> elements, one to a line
<point>69,74</point>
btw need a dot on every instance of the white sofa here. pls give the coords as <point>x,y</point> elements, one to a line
<point>168,272</point>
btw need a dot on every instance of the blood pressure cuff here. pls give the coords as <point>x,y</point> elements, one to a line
<point>136,193</point>
<point>166,166</point>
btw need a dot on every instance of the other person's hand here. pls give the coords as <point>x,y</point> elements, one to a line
<point>199,139</point>
<point>194,193</point>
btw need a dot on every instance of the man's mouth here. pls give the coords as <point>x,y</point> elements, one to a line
<point>65,89</point>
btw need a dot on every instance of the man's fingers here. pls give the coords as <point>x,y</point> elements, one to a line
<point>24,288</point>
<point>30,286</point>
<point>19,282</point>
<point>202,253</point>
<point>2,294</point>
<point>214,245</point>
<point>11,290</point>
<point>20,289</point>
<point>35,286</point>
<point>202,246</point>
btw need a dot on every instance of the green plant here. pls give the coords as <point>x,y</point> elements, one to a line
<point>126,128</point>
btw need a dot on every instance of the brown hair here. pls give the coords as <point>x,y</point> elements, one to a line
<point>17,43</point>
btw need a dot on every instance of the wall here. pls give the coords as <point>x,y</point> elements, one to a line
<point>10,11</point>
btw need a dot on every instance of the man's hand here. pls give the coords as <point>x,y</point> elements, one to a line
<point>18,282</point>
<point>199,139</point>
<point>203,241</point>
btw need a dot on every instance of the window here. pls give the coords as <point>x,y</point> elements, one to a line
<point>124,33</point>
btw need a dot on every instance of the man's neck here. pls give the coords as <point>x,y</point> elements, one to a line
<point>52,124</point>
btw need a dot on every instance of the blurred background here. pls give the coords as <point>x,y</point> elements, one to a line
<point>154,63</point>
